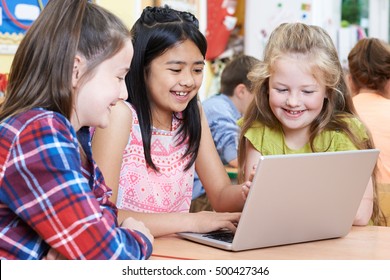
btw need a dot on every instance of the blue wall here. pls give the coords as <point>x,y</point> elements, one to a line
<point>17,25</point>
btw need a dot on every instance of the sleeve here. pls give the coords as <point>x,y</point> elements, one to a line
<point>225,130</point>
<point>197,189</point>
<point>360,129</point>
<point>47,190</point>
<point>255,135</point>
<point>344,143</point>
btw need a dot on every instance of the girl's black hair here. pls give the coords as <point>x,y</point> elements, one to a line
<point>157,30</point>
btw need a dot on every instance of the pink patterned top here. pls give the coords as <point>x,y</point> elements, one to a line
<point>141,188</point>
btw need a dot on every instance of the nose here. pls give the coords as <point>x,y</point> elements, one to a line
<point>187,79</point>
<point>293,99</point>
<point>123,94</point>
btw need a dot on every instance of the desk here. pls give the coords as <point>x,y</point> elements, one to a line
<point>362,243</point>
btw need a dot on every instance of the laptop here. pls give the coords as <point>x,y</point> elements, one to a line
<point>298,198</point>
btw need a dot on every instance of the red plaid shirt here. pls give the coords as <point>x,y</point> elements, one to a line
<point>48,200</point>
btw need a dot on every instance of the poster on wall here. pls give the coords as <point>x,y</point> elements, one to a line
<point>16,16</point>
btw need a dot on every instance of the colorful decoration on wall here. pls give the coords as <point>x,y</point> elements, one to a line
<point>16,16</point>
<point>3,84</point>
<point>221,21</point>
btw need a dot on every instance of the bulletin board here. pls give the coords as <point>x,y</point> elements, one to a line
<point>16,16</point>
<point>263,16</point>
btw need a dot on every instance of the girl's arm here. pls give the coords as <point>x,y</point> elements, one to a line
<point>252,158</point>
<point>109,143</point>
<point>161,224</point>
<point>364,212</point>
<point>223,196</point>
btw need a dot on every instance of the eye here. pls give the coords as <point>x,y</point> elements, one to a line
<point>307,91</point>
<point>121,78</point>
<point>281,90</point>
<point>198,70</point>
<point>175,70</point>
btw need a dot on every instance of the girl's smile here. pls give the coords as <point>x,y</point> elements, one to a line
<point>294,114</point>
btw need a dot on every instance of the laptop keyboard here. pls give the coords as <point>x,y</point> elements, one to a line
<point>226,236</point>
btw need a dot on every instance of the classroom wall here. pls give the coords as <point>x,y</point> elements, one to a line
<point>5,63</point>
<point>127,10</point>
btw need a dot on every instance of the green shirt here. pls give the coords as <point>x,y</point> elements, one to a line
<point>271,141</point>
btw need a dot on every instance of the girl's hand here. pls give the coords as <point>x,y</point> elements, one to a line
<point>245,189</point>
<point>247,184</point>
<point>134,224</point>
<point>53,255</point>
<point>207,221</point>
<point>252,174</point>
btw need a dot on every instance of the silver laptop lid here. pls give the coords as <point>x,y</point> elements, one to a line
<point>303,197</point>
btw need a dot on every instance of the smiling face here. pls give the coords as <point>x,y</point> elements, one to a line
<point>296,98</point>
<point>96,95</point>
<point>173,79</point>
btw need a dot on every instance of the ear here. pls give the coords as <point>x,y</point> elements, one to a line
<point>76,74</point>
<point>240,91</point>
